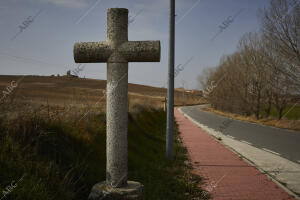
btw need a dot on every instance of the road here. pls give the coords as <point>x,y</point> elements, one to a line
<point>284,143</point>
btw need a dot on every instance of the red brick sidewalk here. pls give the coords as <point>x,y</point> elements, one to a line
<point>227,176</point>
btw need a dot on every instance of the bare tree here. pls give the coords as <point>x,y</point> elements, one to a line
<point>280,24</point>
<point>204,76</point>
<point>253,54</point>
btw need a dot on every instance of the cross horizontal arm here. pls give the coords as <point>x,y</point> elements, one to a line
<point>140,51</point>
<point>131,51</point>
<point>91,52</point>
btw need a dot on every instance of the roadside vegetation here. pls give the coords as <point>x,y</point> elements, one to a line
<point>53,153</point>
<point>270,121</point>
<point>262,78</point>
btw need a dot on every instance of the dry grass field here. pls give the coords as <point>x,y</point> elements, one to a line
<point>82,92</point>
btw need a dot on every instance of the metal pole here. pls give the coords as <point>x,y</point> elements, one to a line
<point>170,109</point>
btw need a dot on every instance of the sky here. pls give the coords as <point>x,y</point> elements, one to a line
<point>37,36</point>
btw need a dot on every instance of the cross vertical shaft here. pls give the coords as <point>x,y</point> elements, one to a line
<point>117,100</point>
<point>117,120</point>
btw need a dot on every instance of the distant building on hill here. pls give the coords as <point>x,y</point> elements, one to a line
<point>69,75</point>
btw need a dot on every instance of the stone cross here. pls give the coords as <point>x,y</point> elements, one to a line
<point>117,51</point>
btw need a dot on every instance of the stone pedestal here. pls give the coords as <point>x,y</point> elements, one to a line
<point>103,191</point>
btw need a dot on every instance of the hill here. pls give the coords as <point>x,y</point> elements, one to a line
<point>73,91</point>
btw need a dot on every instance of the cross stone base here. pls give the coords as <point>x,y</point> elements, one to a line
<point>102,191</point>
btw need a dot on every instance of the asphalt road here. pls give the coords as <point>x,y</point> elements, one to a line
<point>284,143</point>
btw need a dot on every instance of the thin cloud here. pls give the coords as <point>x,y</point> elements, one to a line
<point>67,3</point>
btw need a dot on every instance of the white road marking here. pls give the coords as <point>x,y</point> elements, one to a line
<point>230,136</point>
<point>271,151</point>
<point>246,142</point>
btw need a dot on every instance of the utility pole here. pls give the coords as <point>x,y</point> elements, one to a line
<point>170,109</point>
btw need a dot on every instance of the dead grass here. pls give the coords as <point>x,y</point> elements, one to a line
<point>283,123</point>
<point>81,92</point>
